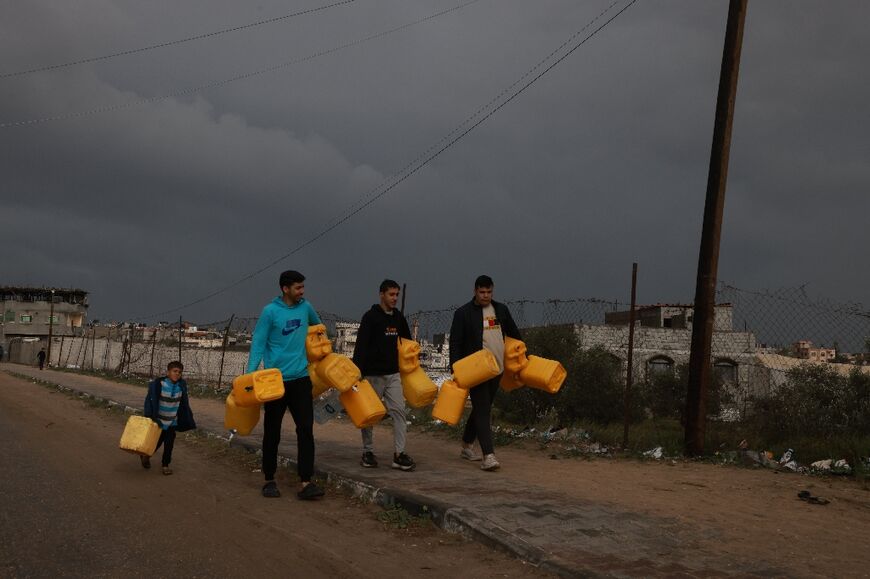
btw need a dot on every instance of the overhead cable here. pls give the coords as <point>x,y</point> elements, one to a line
<point>171,42</point>
<point>432,153</point>
<point>219,83</point>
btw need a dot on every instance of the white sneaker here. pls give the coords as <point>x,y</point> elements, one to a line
<point>489,463</point>
<point>468,454</point>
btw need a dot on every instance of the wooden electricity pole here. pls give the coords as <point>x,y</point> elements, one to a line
<point>700,368</point>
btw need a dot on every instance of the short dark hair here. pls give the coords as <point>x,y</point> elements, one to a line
<point>483,281</point>
<point>289,277</point>
<point>175,364</point>
<point>389,284</point>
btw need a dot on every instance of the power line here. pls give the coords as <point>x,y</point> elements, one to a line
<point>219,83</point>
<point>432,153</point>
<point>171,42</point>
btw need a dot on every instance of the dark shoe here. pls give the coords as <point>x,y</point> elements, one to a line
<point>146,462</point>
<point>270,490</point>
<point>310,492</point>
<point>368,460</point>
<point>403,462</point>
<point>167,471</point>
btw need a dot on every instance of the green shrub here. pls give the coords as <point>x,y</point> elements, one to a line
<point>592,392</point>
<point>818,401</point>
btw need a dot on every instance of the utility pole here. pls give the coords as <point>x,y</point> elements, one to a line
<point>700,369</point>
<point>50,328</point>
<point>180,330</point>
<point>224,350</point>
<point>628,376</point>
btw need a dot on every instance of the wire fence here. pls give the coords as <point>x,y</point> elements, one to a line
<point>788,370</point>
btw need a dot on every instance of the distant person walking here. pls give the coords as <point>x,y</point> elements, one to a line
<point>279,342</point>
<point>377,357</point>
<point>481,323</point>
<point>40,357</point>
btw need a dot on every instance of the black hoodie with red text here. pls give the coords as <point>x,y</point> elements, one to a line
<point>375,352</point>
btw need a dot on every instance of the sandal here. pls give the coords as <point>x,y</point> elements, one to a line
<point>167,471</point>
<point>270,490</point>
<point>310,492</point>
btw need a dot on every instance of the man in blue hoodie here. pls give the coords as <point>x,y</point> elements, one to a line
<point>279,342</point>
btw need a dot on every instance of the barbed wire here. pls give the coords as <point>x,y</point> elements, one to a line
<point>775,372</point>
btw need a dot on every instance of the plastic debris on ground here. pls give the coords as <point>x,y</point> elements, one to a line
<point>655,453</point>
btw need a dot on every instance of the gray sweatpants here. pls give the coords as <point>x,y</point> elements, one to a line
<point>389,388</point>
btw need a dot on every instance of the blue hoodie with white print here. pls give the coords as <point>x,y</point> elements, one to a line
<point>279,338</point>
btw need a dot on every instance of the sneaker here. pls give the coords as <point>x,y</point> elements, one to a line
<point>167,471</point>
<point>270,490</point>
<point>146,462</point>
<point>468,454</point>
<point>489,463</point>
<point>403,462</point>
<point>368,460</point>
<point>310,492</point>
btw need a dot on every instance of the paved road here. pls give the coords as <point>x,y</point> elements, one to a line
<point>588,518</point>
<point>73,505</point>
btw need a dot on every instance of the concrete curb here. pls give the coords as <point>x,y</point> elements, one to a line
<point>447,517</point>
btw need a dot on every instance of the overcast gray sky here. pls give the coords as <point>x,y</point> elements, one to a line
<point>600,163</point>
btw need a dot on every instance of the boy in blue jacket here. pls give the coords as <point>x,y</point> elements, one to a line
<point>279,342</point>
<point>168,404</point>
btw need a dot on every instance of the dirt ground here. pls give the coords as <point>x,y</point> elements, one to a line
<point>52,442</point>
<point>74,505</point>
<point>739,513</point>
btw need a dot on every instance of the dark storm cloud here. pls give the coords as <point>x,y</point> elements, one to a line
<point>601,163</point>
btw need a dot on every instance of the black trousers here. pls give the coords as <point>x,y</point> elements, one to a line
<point>167,439</point>
<point>297,398</point>
<point>478,425</point>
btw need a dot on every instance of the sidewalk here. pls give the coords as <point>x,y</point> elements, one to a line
<point>529,508</point>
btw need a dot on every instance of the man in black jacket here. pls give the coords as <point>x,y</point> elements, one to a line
<point>481,323</point>
<point>376,355</point>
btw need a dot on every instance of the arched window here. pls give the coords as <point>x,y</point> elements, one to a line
<point>725,372</point>
<point>659,365</point>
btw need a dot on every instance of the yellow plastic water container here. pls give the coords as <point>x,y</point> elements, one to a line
<point>362,404</point>
<point>418,388</point>
<point>318,386</point>
<point>510,381</point>
<point>254,388</point>
<point>409,355</point>
<point>514,355</point>
<point>317,344</point>
<point>450,402</point>
<point>242,419</point>
<point>337,372</point>
<point>140,436</point>
<point>543,374</point>
<point>475,369</point>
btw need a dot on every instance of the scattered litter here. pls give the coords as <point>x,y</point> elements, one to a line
<point>822,465</point>
<point>761,458</point>
<point>786,457</point>
<point>655,453</point>
<point>841,467</point>
<point>830,466</point>
<point>807,496</point>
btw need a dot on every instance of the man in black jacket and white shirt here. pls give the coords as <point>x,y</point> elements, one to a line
<point>481,323</point>
<point>377,357</point>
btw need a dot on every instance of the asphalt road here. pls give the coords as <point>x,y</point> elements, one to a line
<point>74,505</point>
